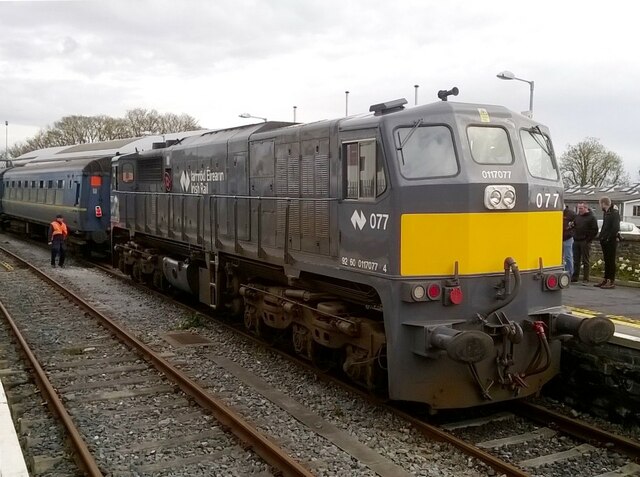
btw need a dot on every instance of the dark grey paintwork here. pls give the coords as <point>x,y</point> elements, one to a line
<point>274,193</point>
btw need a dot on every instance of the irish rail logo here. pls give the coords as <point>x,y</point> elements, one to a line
<point>197,182</point>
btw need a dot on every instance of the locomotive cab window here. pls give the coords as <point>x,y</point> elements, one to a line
<point>365,173</point>
<point>539,154</point>
<point>127,172</point>
<point>489,145</point>
<point>425,151</point>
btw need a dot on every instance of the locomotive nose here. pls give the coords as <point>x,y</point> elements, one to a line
<point>462,346</point>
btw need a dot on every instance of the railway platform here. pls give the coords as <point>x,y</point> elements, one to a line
<point>12,463</point>
<point>621,304</point>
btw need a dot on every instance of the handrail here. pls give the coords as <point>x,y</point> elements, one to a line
<point>213,203</point>
<point>234,196</point>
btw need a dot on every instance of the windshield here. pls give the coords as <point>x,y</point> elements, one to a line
<point>489,145</point>
<point>425,152</point>
<point>538,154</point>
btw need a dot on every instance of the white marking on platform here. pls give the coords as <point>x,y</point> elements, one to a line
<point>11,460</point>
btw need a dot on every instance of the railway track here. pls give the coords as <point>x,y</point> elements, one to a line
<point>541,442</point>
<point>578,444</point>
<point>80,360</point>
<point>490,458</point>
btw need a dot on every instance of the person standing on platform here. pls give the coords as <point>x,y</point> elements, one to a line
<point>568,216</point>
<point>586,229</point>
<point>57,236</point>
<point>609,242</point>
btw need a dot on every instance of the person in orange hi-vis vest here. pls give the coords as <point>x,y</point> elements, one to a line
<point>57,236</point>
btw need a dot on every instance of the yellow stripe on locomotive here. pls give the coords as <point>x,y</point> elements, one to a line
<point>431,244</point>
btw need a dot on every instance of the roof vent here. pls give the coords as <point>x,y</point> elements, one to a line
<point>388,107</point>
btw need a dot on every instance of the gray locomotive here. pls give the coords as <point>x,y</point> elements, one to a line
<point>417,249</point>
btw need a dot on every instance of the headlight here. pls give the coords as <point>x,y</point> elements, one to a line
<point>499,197</point>
<point>418,292</point>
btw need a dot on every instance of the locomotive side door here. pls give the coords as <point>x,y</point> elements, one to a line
<point>238,186</point>
<point>365,218</point>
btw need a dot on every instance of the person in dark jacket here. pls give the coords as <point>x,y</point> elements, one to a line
<point>568,216</point>
<point>609,242</point>
<point>585,230</point>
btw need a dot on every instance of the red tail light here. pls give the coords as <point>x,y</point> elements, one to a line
<point>552,282</point>
<point>434,291</point>
<point>453,295</point>
<point>98,211</point>
<point>95,181</point>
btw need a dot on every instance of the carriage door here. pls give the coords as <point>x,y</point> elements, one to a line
<point>261,183</point>
<point>238,186</point>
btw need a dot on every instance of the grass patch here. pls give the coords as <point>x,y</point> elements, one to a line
<point>195,320</point>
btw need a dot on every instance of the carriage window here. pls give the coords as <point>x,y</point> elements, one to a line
<point>60,183</point>
<point>33,184</point>
<point>538,154</point>
<point>127,172</point>
<point>41,185</point>
<point>49,184</point>
<point>489,145</point>
<point>365,174</point>
<point>425,152</point>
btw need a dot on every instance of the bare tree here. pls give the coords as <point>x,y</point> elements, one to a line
<point>170,122</point>
<point>590,163</point>
<point>77,129</point>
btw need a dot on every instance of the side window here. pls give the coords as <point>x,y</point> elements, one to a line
<point>114,178</point>
<point>538,153</point>
<point>127,172</point>
<point>365,173</point>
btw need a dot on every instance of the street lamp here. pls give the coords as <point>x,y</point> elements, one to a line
<point>6,140</point>
<point>416,86</point>
<point>247,115</point>
<point>346,103</point>
<point>508,75</point>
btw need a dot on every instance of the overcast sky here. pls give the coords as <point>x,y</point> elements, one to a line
<point>217,59</point>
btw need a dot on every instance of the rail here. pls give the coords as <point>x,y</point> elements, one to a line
<point>248,434</point>
<point>84,457</point>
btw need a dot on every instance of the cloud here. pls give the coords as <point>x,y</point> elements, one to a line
<point>214,60</point>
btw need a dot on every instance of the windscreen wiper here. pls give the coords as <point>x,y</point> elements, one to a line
<point>546,147</point>
<point>409,134</point>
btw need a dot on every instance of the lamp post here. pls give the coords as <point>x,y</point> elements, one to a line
<point>6,140</point>
<point>295,108</point>
<point>247,115</point>
<point>346,103</point>
<point>508,75</point>
<point>416,86</point>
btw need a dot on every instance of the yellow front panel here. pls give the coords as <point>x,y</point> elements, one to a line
<point>430,244</point>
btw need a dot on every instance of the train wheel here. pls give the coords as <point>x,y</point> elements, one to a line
<point>301,337</point>
<point>136,273</point>
<point>323,358</point>
<point>251,319</point>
